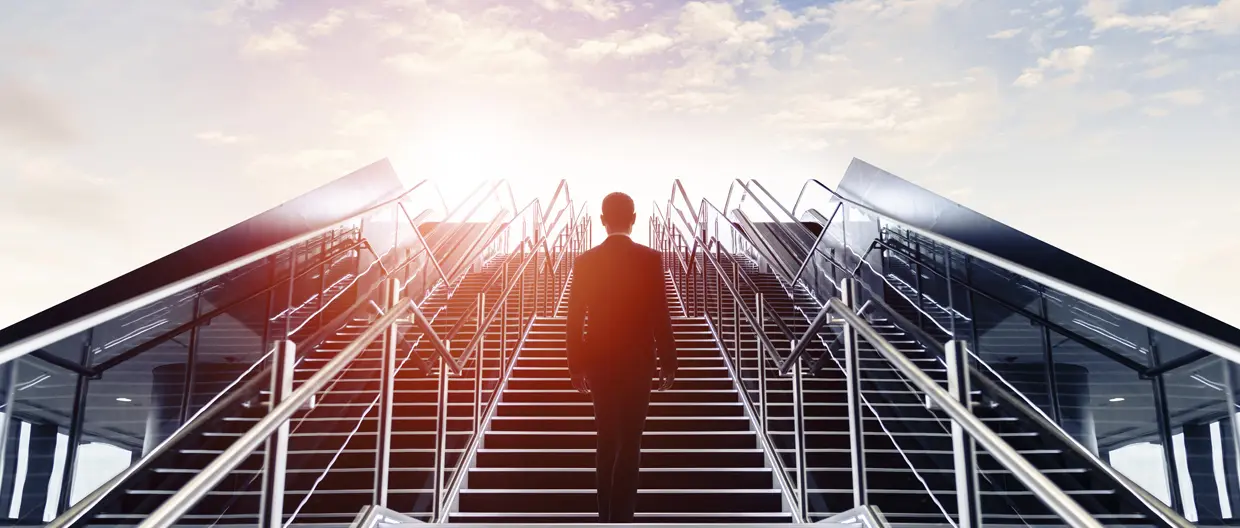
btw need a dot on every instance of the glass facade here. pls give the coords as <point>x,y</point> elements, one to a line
<point>1158,410</point>
<point>90,405</point>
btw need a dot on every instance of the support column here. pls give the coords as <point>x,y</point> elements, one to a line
<point>40,457</point>
<point>1199,455</point>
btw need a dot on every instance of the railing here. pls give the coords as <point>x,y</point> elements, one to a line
<point>273,428</point>
<point>1157,389</point>
<point>963,420</point>
<point>408,256</point>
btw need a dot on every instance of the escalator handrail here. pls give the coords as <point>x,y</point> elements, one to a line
<point>1205,342</point>
<point>46,337</point>
<point>1041,486</point>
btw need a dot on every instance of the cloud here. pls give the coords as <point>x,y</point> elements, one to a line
<point>280,42</point>
<point>219,138</point>
<point>622,44</point>
<point>1222,17</point>
<point>29,117</point>
<point>328,24</point>
<point>1005,34</point>
<point>1187,97</point>
<point>596,9</point>
<point>1069,61</point>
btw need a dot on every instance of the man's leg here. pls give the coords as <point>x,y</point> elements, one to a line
<point>634,402</point>
<point>606,425</point>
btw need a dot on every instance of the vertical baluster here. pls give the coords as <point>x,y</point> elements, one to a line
<point>275,458</point>
<point>798,435</point>
<point>766,425</point>
<point>852,373</point>
<point>441,429</point>
<point>963,449</point>
<point>387,393</point>
<point>478,363</point>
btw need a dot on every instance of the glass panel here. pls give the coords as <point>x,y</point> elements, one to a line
<point>38,406</point>
<point>1196,404</point>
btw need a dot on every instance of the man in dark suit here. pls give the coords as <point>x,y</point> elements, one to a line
<point>619,286</point>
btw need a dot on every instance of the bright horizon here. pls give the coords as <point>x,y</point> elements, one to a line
<point>1100,126</point>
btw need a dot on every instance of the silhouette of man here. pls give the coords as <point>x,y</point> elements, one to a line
<point>619,286</point>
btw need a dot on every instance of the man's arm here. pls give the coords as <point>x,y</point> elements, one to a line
<point>664,339</point>
<point>575,337</point>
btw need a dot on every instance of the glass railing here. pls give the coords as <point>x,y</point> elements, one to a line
<point>86,405</point>
<point>1158,409</point>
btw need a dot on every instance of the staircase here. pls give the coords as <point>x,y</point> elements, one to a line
<point>701,460</point>
<point>332,447</point>
<point>908,449</point>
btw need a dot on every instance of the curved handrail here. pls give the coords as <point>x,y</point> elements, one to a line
<point>1217,346</point>
<point>46,337</point>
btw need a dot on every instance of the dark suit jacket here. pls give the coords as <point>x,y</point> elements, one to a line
<point>619,285</point>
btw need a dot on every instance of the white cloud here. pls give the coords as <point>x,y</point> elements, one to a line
<point>1005,34</point>
<point>596,9</point>
<point>219,138</point>
<point>1069,61</point>
<point>1187,97</point>
<point>622,44</point>
<point>1222,17</point>
<point>328,24</point>
<point>280,42</point>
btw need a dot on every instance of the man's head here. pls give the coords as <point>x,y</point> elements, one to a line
<point>618,214</point>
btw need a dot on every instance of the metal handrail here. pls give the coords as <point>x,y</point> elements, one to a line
<point>46,337</point>
<point>1025,472</point>
<point>172,509</point>
<point>214,407</point>
<point>781,474</point>
<point>1187,335</point>
<point>742,274</point>
<point>190,427</point>
<point>1019,403</point>
<point>1011,397</point>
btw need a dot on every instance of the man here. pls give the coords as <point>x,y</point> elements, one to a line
<point>619,286</point>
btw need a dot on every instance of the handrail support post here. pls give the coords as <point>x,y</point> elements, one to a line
<point>387,393</point>
<point>275,460</point>
<point>852,378</point>
<point>964,451</point>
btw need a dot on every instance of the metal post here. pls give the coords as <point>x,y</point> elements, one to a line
<point>761,357</point>
<point>736,327</point>
<point>798,435</point>
<point>10,405</point>
<point>441,430</point>
<point>292,287</point>
<point>852,373</point>
<point>191,363</point>
<point>387,395</point>
<point>480,356</point>
<point>275,462</point>
<point>503,333</point>
<point>968,503</point>
<point>76,420</point>
<point>318,308</point>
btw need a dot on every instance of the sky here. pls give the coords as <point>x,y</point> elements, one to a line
<point>1106,127</point>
